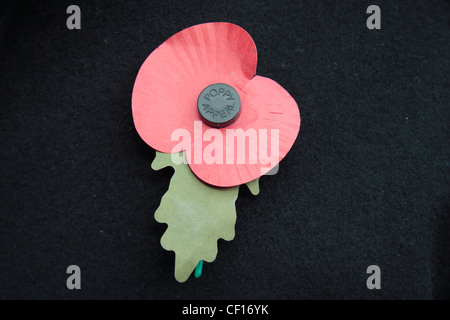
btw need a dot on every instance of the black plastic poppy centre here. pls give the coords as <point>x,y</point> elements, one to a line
<point>219,105</point>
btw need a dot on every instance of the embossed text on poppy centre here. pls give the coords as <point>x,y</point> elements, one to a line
<point>222,103</point>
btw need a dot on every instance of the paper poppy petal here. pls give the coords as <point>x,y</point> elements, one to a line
<point>265,106</point>
<point>168,84</point>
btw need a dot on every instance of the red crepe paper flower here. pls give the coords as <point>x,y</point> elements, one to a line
<point>166,95</point>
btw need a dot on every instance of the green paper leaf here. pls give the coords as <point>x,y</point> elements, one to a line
<point>197,215</point>
<point>253,186</point>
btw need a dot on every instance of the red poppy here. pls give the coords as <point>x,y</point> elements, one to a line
<point>167,90</point>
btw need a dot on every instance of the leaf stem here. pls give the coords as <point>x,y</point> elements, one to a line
<point>198,269</point>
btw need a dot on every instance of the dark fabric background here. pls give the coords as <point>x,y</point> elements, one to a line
<point>367,181</point>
